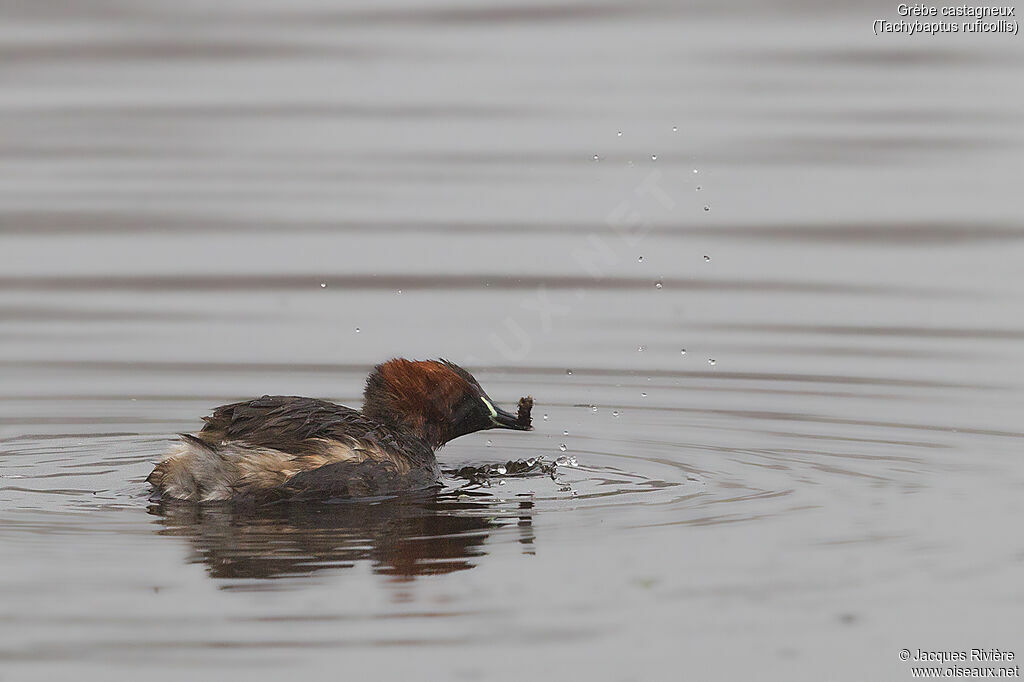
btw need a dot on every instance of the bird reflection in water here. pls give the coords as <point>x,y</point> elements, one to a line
<point>401,538</point>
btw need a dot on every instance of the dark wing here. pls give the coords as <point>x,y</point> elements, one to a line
<point>283,422</point>
<point>346,480</point>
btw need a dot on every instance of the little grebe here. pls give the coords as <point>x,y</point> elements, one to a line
<point>287,447</point>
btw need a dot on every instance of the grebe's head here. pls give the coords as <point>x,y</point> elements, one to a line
<point>437,400</point>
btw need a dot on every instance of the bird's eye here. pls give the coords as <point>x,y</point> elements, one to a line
<point>490,408</point>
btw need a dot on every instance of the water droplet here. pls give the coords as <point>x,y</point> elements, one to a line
<point>654,157</point>
<point>694,171</point>
<point>501,470</point>
<point>489,442</point>
<point>640,259</point>
<point>565,433</point>
<point>564,461</point>
<point>545,417</point>
<point>698,188</point>
<point>706,208</point>
<point>568,372</point>
<point>675,129</point>
<point>358,330</point>
<point>658,284</point>
<point>711,361</point>
<point>596,157</point>
<point>323,285</point>
<point>619,134</point>
<point>682,351</point>
<point>562,447</point>
<point>643,395</point>
<point>399,292</point>
<point>501,482</point>
<point>707,259</point>
<point>593,408</point>
<point>640,349</point>
<point>615,413</point>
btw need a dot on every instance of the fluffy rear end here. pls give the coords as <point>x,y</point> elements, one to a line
<point>189,472</point>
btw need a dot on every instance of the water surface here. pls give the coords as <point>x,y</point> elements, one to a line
<point>777,322</point>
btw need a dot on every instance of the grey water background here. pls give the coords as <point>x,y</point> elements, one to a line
<point>203,202</point>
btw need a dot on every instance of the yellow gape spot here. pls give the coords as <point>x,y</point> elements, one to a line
<point>494,412</point>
